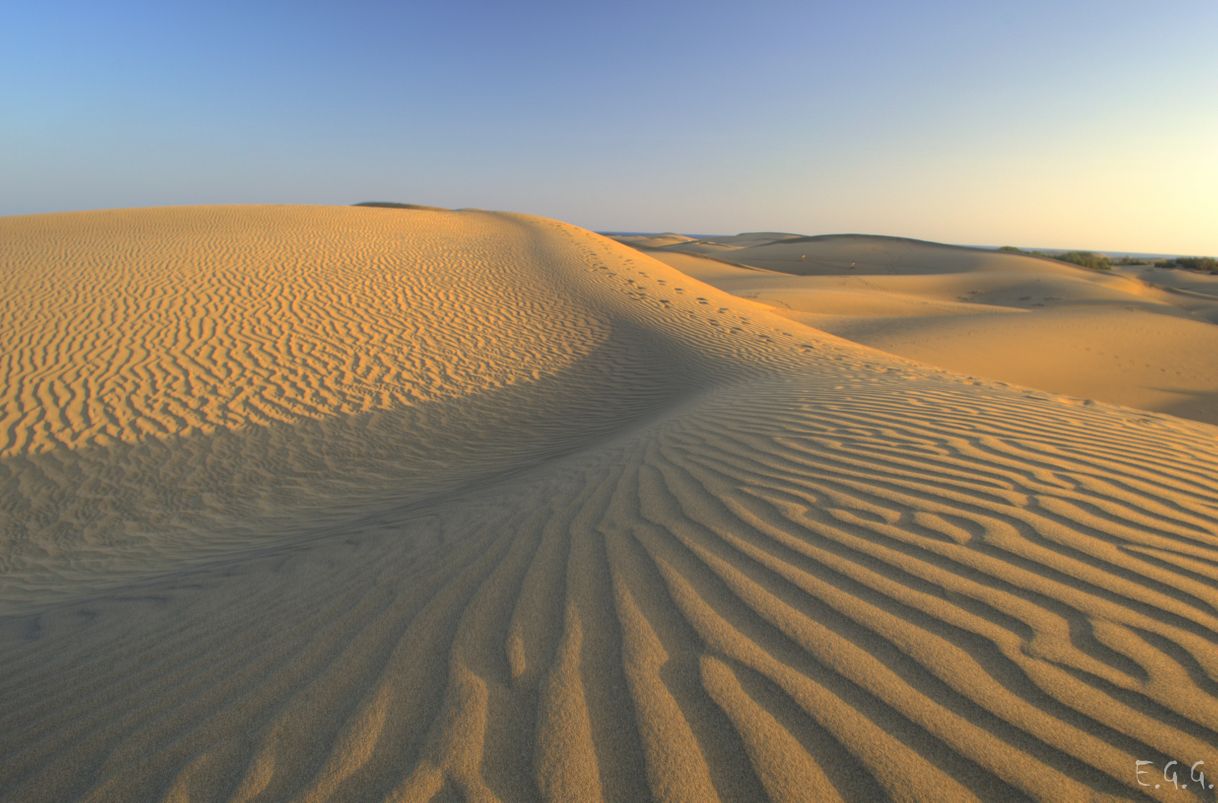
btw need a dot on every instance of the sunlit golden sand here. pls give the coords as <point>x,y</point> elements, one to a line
<point>354,504</point>
<point>1140,337</point>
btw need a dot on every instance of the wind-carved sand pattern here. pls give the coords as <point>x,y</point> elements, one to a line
<point>596,538</point>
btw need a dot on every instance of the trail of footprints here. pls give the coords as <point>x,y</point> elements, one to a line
<point>638,289</point>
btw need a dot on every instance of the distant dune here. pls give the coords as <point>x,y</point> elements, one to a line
<point>364,503</point>
<point>653,240</point>
<point>1138,337</point>
<point>396,205</point>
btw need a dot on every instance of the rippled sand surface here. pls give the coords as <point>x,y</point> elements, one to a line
<point>347,504</point>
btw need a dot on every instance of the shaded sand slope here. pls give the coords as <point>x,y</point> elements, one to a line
<point>1128,338</point>
<point>708,552</point>
<point>180,380</point>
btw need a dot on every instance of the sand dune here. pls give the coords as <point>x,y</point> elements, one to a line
<point>337,504</point>
<point>1143,338</point>
<point>653,240</point>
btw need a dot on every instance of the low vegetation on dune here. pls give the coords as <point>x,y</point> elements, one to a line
<point>1203,264</point>
<point>1090,259</point>
<point>1086,259</point>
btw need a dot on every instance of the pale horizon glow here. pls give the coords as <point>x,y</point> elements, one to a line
<point>1043,124</point>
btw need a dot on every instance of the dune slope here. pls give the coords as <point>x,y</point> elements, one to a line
<point>599,531</point>
<point>1136,338</point>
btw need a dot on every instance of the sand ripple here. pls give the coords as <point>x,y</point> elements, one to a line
<point>709,553</point>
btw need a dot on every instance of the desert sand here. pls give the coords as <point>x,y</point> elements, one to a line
<point>1140,337</point>
<point>654,240</point>
<point>365,503</point>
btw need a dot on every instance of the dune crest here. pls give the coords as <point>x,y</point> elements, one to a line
<point>603,531</point>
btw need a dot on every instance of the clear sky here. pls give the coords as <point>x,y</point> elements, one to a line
<point>1071,123</point>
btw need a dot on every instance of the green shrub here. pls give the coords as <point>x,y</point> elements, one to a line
<point>1087,259</point>
<point>1204,264</point>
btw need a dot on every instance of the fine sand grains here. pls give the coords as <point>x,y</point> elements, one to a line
<point>608,532</point>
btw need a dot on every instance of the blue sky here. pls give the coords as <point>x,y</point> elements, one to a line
<point>1073,124</point>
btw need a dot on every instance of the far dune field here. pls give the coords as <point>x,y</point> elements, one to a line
<point>1140,337</point>
<point>374,503</point>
